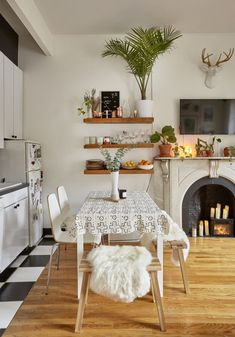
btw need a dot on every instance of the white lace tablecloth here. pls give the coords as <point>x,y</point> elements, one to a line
<point>137,213</point>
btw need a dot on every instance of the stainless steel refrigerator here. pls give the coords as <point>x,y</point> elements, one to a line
<point>20,161</point>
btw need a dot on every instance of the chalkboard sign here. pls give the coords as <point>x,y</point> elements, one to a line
<point>110,100</point>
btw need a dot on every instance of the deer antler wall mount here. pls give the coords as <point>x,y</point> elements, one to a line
<point>212,68</point>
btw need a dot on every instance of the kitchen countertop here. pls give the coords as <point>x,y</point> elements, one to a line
<point>12,188</point>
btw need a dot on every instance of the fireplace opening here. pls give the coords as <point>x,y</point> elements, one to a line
<point>203,196</point>
<point>221,227</point>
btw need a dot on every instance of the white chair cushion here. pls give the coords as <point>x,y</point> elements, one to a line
<point>119,272</point>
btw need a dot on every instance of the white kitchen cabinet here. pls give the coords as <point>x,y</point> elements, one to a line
<point>13,99</point>
<point>18,103</point>
<point>1,102</point>
<point>14,232</point>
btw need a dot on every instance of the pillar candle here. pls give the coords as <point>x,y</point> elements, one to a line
<point>217,212</point>
<point>225,213</point>
<point>201,228</point>
<point>194,230</point>
<point>206,224</point>
<point>212,215</point>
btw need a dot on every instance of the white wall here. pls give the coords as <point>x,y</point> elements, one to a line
<point>54,87</point>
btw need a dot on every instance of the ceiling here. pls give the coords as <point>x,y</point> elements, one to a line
<point>118,16</point>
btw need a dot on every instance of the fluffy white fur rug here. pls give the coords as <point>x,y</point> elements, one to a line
<point>175,233</point>
<point>119,272</point>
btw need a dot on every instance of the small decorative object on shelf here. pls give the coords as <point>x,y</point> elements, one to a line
<point>97,114</point>
<point>90,103</point>
<point>205,149</point>
<point>166,137</point>
<point>106,140</point>
<point>119,112</point>
<point>110,101</point>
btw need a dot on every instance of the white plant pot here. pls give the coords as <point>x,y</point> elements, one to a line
<point>145,108</point>
<point>114,180</point>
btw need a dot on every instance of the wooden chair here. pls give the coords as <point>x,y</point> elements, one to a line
<point>86,268</point>
<point>178,247</point>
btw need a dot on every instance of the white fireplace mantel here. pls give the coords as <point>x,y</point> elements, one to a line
<point>174,176</point>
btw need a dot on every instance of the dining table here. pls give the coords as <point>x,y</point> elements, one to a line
<point>136,213</point>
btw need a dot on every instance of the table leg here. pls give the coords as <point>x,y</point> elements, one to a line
<point>80,250</point>
<point>160,257</point>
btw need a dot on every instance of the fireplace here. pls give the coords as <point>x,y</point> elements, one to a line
<point>188,189</point>
<point>201,196</point>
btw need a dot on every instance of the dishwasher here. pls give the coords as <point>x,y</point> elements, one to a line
<point>14,232</point>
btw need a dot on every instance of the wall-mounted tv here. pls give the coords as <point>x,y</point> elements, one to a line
<point>207,116</point>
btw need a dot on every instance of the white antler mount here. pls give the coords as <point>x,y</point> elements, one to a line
<point>211,69</point>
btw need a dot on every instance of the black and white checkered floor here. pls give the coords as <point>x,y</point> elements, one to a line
<point>17,280</point>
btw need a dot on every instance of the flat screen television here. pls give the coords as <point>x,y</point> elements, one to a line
<point>207,116</point>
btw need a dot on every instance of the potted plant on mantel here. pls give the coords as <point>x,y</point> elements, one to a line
<point>166,137</point>
<point>140,48</point>
<point>205,149</point>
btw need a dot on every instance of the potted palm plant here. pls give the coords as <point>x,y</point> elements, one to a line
<point>166,137</point>
<point>140,49</point>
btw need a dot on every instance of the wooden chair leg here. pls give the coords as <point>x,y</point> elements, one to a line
<point>87,288</point>
<point>183,270</point>
<point>152,291</point>
<point>157,296</point>
<point>82,302</point>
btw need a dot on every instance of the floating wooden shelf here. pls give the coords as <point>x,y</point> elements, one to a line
<point>122,171</point>
<point>110,146</point>
<point>138,120</point>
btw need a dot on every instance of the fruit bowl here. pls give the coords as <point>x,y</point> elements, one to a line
<point>145,167</point>
<point>129,165</point>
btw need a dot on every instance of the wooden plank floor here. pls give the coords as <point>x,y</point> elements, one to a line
<point>208,311</point>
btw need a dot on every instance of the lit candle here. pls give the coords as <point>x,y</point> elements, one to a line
<point>212,215</point>
<point>206,224</point>
<point>194,230</point>
<point>201,228</point>
<point>218,211</point>
<point>225,213</point>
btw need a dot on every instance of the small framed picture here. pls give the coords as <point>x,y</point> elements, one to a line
<point>110,101</point>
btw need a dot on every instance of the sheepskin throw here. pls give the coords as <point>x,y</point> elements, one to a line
<point>175,233</point>
<point>119,272</point>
